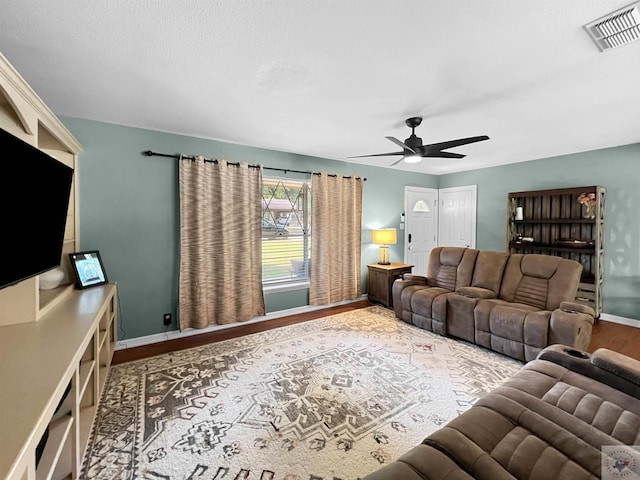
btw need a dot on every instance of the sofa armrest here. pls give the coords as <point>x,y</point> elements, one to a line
<point>570,326</point>
<point>611,368</point>
<point>573,307</point>
<point>400,284</point>
<point>618,364</point>
<point>412,277</point>
<point>476,292</point>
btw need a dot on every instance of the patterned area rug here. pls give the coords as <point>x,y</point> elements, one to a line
<point>333,398</point>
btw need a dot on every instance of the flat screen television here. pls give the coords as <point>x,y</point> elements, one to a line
<point>34,199</point>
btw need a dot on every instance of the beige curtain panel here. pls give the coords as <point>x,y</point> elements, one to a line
<point>336,226</point>
<point>220,243</point>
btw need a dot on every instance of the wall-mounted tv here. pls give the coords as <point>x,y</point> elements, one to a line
<point>34,198</point>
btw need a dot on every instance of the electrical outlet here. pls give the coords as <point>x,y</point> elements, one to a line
<point>167,319</point>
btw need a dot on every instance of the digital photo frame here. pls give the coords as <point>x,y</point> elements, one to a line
<point>88,269</point>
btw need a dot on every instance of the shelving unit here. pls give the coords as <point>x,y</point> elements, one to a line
<point>56,344</point>
<point>71,346</point>
<point>25,115</point>
<point>554,222</point>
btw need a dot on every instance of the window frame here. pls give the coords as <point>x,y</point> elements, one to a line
<point>301,207</point>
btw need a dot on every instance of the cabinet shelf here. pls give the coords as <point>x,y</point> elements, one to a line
<point>102,335</point>
<point>550,248</point>
<point>50,465</point>
<point>561,221</point>
<point>86,373</point>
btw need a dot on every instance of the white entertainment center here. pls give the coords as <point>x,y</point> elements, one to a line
<point>56,344</point>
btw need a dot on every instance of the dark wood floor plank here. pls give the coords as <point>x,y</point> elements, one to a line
<point>144,351</point>
<point>614,336</point>
<point>620,338</point>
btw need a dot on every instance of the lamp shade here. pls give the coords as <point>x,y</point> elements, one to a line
<point>385,236</point>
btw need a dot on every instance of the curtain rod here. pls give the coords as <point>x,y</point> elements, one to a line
<point>150,153</point>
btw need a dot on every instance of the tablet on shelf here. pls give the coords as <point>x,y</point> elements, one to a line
<point>88,269</point>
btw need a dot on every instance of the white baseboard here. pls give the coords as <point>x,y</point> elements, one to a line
<point>621,320</point>
<point>163,337</point>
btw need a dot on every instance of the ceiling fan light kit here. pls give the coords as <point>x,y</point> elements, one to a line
<point>413,151</point>
<point>413,158</point>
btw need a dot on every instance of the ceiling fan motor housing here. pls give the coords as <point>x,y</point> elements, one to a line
<point>414,142</point>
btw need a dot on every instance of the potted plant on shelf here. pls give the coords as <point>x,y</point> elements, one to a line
<point>588,201</point>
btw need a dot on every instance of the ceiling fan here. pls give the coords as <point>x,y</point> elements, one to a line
<point>414,151</point>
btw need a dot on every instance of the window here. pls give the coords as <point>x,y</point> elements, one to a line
<point>286,239</point>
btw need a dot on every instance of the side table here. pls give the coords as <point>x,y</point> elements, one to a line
<point>381,278</point>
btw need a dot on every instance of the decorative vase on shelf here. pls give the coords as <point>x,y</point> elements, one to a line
<point>588,201</point>
<point>588,211</point>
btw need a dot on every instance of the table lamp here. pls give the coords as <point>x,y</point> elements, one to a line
<point>384,237</point>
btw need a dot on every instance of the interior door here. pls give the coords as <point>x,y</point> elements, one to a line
<point>457,216</point>
<point>421,234</point>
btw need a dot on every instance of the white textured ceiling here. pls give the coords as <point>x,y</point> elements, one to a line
<point>332,78</point>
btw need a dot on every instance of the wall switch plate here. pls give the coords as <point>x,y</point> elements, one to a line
<point>167,319</point>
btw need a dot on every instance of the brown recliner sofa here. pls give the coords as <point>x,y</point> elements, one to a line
<point>566,415</point>
<point>515,304</point>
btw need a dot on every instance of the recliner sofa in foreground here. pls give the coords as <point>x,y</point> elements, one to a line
<point>515,304</point>
<point>567,415</point>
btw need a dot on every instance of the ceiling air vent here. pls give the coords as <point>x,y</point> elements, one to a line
<point>617,28</point>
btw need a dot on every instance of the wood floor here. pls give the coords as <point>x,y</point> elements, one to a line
<point>620,338</point>
<point>135,353</point>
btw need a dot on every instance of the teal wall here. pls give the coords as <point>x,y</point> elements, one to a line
<point>617,169</point>
<point>129,211</point>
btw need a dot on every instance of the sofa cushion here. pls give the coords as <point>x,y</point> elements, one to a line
<point>542,281</point>
<point>489,269</point>
<point>451,267</point>
<point>427,305</point>
<point>596,412</point>
<point>476,292</point>
<point>421,462</point>
<point>517,330</point>
<point>538,377</point>
<point>520,324</point>
<point>422,299</point>
<point>500,438</point>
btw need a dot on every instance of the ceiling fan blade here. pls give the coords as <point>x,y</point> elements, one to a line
<point>379,155</point>
<point>443,155</point>
<point>401,144</point>
<point>454,143</point>
<point>397,162</point>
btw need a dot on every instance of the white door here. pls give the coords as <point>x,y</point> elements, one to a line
<point>457,216</point>
<point>420,234</point>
